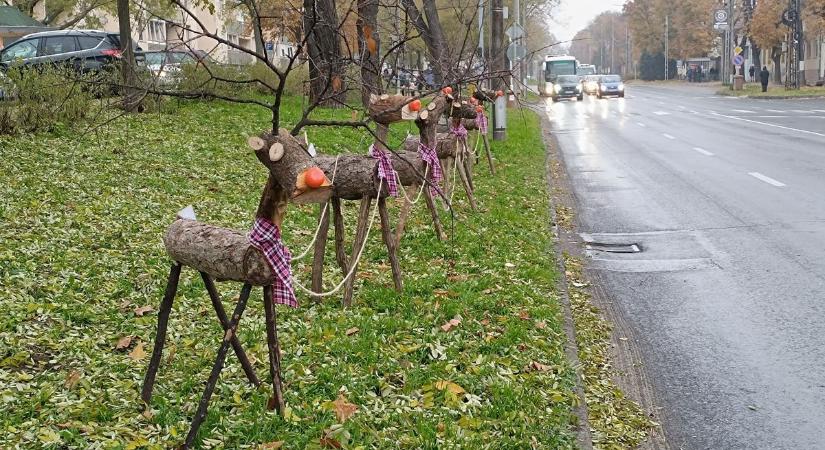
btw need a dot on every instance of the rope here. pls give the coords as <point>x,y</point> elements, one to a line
<point>354,263</point>
<point>420,190</point>
<point>321,220</point>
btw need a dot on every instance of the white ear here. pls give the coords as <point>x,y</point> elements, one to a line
<point>187,213</point>
<point>311,150</point>
<point>276,152</point>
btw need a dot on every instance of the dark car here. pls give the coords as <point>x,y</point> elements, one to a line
<point>83,50</point>
<point>610,85</point>
<point>567,86</point>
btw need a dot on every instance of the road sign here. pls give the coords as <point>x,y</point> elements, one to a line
<point>516,52</point>
<point>738,60</point>
<point>723,26</point>
<point>738,50</point>
<point>270,46</point>
<point>720,15</point>
<point>515,32</point>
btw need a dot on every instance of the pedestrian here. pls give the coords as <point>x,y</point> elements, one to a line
<point>698,74</point>
<point>752,72</point>
<point>764,76</point>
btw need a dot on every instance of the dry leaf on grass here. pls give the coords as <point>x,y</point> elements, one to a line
<point>454,322</point>
<point>137,353</point>
<point>271,445</point>
<point>343,409</point>
<point>71,379</point>
<point>143,310</point>
<point>450,386</point>
<point>352,331</point>
<point>123,343</point>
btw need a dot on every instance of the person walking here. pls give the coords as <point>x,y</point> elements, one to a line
<point>764,76</point>
<point>752,72</point>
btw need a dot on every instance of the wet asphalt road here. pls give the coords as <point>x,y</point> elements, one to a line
<point>726,301</point>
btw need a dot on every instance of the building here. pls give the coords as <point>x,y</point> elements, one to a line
<point>14,25</point>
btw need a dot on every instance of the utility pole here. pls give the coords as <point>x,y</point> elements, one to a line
<point>481,29</point>
<point>612,44</point>
<point>626,49</point>
<point>497,67</point>
<point>667,45</point>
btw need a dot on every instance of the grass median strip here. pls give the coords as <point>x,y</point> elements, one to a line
<point>83,268</point>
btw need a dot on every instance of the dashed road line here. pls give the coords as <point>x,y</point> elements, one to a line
<point>668,136</point>
<point>766,179</point>
<point>641,124</point>
<point>661,113</point>
<point>746,111</point>
<point>703,151</point>
<point>768,124</point>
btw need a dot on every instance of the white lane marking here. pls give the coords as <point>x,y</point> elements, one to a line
<point>768,124</point>
<point>661,113</point>
<point>818,110</point>
<point>641,124</point>
<point>775,110</point>
<point>768,180</point>
<point>743,111</point>
<point>668,136</point>
<point>703,151</point>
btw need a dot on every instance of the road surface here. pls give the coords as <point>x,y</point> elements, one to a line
<point>725,199</point>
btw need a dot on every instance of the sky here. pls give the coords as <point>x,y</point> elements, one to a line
<point>573,15</point>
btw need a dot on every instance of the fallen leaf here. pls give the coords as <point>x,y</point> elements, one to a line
<point>541,324</point>
<point>343,409</point>
<point>450,386</point>
<point>329,442</point>
<point>523,315</point>
<point>148,414</point>
<point>485,322</point>
<point>137,353</point>
<point>539,366</point>
<point>352,331</point>
<point>123,343</point>
<point>71,379</point>
<point>440,427</point>
<point>271,445</point>
<point>509,265</point>
<point>143,310</point>
<point>446,326</point>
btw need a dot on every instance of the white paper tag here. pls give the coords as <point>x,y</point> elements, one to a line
<point>311,150</point>
<point>187,213</point>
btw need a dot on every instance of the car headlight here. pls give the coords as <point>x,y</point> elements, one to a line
<point>558,88</point>
<point>604,88</point>
<point>621,86</point>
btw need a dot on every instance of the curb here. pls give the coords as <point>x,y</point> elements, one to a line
<point>773,97</point>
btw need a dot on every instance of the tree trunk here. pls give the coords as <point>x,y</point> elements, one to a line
<point>131,102</point>
<point>326,77</point>
<point>369,46</point>
<point>776,55</point>
<point>433,36</point>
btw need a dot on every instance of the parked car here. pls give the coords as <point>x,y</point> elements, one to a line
<point>610,85</point>
<point>83,50</point>
<point>567,86</point>
<point>590,85</point>
<point>165,65</point>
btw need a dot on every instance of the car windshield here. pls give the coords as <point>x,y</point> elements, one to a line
<point>611,79</point>
<point>568,79</point>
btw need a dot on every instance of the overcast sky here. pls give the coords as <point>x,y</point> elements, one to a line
<point>573,15</point>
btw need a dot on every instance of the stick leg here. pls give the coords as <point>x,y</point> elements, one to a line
<point>386,233</point>
<point>468,167</point>
<point>489,154</point>
<point>360,236</point>
<point>447,164</point>
<point>320,248</point>
<point>218,366</point>
<point>274,346</point>
<point>236,343</point>
<point>467,187</point>
<point>406,207</point>
<point>338,223</point>
<point>160,336</point>
<point>439,230</point>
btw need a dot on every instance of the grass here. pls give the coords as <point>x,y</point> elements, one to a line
<point>82,219</point>
<point>755,90</point>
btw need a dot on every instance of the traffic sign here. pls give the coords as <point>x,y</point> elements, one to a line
<point>738,50</point>
<point>515,31</point>
<point>516,52</point>
<point>738,60</point>
<point>723,26</point>
<point>720,15</point>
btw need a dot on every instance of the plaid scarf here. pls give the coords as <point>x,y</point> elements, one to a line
<point>429,156</point>
<point>481,123</point>
<point>266,237</point>
<point>385,170</point>
<point>460,133</point>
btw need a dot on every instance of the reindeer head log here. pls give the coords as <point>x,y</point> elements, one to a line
<point>288,162</point>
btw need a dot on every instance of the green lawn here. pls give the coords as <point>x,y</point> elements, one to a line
<point>82,216</point>
<point>755,90</point>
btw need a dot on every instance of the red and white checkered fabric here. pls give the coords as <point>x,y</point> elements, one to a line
<point>266,237</point>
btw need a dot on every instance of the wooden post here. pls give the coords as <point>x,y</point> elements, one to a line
<point>277,400</point>
<point>320,249</point>
<point>236,343</point>
<point>360,237</point>
<point>439,230</point>
<point>406,208</point>
<point>386,233</point>
<point>217,367</point>
<point>160,336</point>
<point>489,154</point>
<point>338,224</point>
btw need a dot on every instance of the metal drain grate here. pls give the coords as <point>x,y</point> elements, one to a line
<point>613,248</point>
